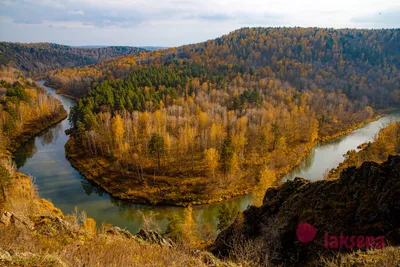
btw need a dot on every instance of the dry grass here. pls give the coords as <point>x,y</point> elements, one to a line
<point>101,250</point>
<point>119,251</point>
<point>389,256</point>
<point>23,199</point>
<point>73,240</point>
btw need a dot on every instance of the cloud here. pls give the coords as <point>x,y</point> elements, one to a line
<point>170,22</point>
<point>382,19</point>
<point>78,12</point>
<point>132,13</point>
<point>218,17</point>
<point>123,13</point>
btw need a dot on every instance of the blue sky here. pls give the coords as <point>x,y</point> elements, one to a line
<point>177,22</point>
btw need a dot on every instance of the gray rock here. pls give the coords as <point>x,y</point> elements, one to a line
<point>154,237</point>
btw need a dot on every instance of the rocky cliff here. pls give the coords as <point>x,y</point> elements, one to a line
<point>361,209</point>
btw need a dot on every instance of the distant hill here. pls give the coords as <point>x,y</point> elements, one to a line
<point>150,48</point>
<point>36,58</point>
<point>363,64</point>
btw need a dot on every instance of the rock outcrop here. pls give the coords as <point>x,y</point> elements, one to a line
<point>154,237</point>
<point>364,201</point>
<point>10,219</point>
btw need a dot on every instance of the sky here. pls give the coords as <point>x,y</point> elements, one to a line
<point>176,22</point>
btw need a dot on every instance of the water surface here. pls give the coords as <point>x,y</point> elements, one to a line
<point>44,158</point>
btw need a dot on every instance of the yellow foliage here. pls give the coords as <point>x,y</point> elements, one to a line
<point>189,233</point>
<point>89,225</point>
<point>118,130</point>
<point>211,157</point>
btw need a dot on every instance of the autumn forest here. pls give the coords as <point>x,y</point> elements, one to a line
<point>206,133</point>
<point>216,119</point>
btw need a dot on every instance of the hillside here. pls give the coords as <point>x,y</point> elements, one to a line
<point>206,122</point>
<point>36,59</point>
<point>35,233</point>
<point>363,202</point>
<point>363,64</point>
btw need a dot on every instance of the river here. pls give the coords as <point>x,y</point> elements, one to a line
<point>44,158</point>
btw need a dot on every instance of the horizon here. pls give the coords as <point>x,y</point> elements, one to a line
<point>176,22</point>
<point>155,46</point>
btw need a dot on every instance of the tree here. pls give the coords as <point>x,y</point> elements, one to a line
<point>156,148</point>
<point>5,179</point>
<point>226,156</point>
<point>226,215</point>
<point>118,130</point>
<point>211,157</point>
<point>190,138</point>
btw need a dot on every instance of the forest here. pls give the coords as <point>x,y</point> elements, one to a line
<point>35,59</point>
<point>216,119</point>
<point>362,63</point>
<point>25,109</point>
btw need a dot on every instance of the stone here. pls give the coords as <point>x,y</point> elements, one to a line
<point>154,237</point>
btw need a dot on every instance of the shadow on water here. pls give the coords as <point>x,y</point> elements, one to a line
<point>44,158</point>
<point>24,152</point>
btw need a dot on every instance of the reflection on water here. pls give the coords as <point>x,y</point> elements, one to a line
<point>44,158</point>
<point>46,137</point>
<point>25,152</point>
<point>50,135</point>
<point>90,188</point>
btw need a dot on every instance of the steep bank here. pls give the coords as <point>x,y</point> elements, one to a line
<point>365,201</point>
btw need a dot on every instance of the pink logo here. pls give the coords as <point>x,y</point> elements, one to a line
<point>350,242</point>
<point>306,232</point>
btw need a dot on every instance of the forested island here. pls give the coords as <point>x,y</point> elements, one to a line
<point>206,122</point>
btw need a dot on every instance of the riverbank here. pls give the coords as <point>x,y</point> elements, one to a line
<point>159,190</point>
<point>58,91</point>
<point>36,233</point>
<point>36,127</point>
<point>386,144</point>
<point>381,113</point>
